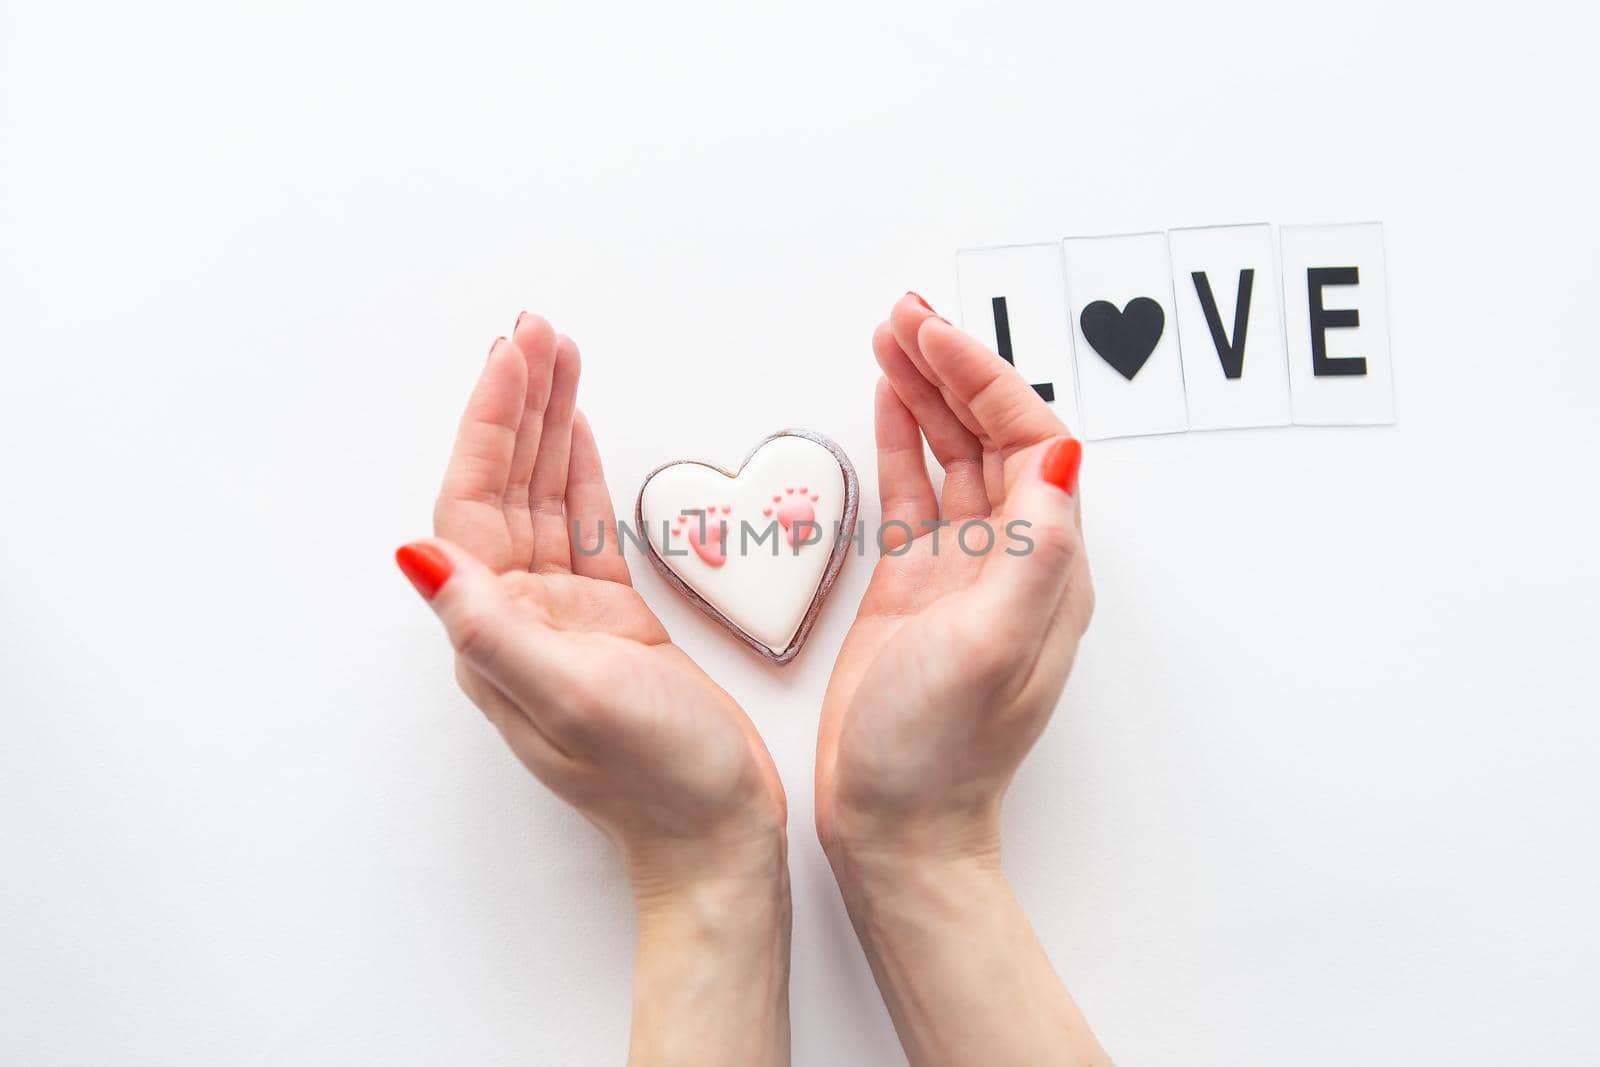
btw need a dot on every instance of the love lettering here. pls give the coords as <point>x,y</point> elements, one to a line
<point>1217,327</point>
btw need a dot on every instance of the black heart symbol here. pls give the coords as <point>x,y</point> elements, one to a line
<point>1124,338</point>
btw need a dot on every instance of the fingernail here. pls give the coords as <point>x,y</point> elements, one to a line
<point>520,316</point>
<point>426,566</point>
<point>918,298</point>
<point>1061,464</point>
<point>494,345</point>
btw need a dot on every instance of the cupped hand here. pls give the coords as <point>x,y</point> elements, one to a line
<point>562,654</point>
<point>967,633</point>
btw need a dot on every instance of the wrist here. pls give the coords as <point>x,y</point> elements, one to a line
<point>892,894</point>
<point>713,882</point>
<point>870,851</point>
<point>960,968</point>
<point>711,974</point>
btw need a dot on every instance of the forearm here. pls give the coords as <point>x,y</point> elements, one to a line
<point>711,975</point>
<point>960,969</point>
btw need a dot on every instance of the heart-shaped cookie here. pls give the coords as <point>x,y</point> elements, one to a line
<point>758,548</point>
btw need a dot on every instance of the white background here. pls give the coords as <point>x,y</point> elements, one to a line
<point>1323,789</point>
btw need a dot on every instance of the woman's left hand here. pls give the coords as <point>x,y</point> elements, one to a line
<point>566,660</point>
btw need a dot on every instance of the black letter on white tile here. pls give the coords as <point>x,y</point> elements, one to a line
<point>1231,353</point>
<point>1324,319</point>
<point>1002,342</point>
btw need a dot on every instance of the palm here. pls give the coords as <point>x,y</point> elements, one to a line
<point>617,693</point>
<point>912,605</point>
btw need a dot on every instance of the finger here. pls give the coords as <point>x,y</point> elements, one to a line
<point>994,476</point>
<point>957,451</point>
<point>905,318</point>
<point>1059,646</point>
<point>904,491</point>
<point>596,546</point>
<point>1076,607</point>
<point>1007,408</point>
<point>480,462</point>
<point>509,647</point>
<point>1028,576</point>
<point>547,490</point>
<point>536,341</point>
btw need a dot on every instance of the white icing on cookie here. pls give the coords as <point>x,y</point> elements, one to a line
<point>745,543</point>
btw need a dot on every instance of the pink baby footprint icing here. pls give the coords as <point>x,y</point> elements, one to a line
<point>794,506</point>
<point>705,534</point>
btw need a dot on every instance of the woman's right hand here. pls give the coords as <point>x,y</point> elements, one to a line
<point>949,674</point>
<point>958,654</point>
<point>565,658</point>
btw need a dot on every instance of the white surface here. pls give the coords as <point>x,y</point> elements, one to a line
<point>1259,396</point>
<point>1119,269</point>
<point>1347,399</point>
<point>1030,277</point>
<point>764,587</point>
<point>1323,789</point>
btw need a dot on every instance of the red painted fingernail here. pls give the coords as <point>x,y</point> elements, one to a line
<point>1061,464</point>
<point>918,298</point>
<point>426,566</point>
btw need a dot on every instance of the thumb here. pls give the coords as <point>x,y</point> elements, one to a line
<point>1030,575</point>
<point>478,613</point>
